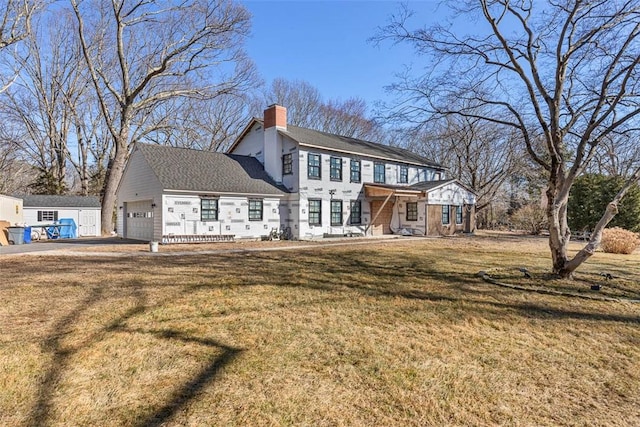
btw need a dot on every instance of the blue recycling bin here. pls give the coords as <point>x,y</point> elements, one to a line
<point>27,235</point>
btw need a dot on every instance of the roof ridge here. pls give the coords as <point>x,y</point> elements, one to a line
<point>384,150</point>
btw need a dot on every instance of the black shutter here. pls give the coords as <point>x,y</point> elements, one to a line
<point>39,216</point>
<point>55,215</point>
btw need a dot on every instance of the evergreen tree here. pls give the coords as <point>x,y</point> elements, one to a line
<point>589,197</point>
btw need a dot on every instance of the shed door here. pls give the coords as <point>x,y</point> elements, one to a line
<point>139,220</point>
<point>87,223</point>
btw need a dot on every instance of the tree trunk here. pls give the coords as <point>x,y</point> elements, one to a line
<point>559,233</point>
<point>112,180</point>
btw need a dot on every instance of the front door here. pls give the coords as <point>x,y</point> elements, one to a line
<point>382,224</point>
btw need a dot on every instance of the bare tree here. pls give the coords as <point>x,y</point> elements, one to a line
<point>15,26</point>
<point>142,53</point>
<point>15,173</point>
<point>209,124</point>
<point>303,101</point>
<point>618,155</point>
<point>483,156</point>
<point>45,97</point>
<point>562,74</point>
<point>307,108</point>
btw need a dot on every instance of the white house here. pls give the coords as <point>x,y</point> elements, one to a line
<point>46,209</point>
<point>339,185</point>
<point>304,182</point>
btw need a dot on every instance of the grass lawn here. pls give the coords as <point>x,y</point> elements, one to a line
<point>401,332</point>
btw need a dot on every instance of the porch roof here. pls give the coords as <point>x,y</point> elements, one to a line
<point>420,189</point>
<point>382,190</point>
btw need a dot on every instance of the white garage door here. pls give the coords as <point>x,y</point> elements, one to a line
<point>139,220</point>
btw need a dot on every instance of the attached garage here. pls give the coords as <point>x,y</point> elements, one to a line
<point>139,220</point>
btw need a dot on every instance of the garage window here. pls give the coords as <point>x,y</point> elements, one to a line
<point>47,215</point>
<point>255,210</point>
<point>209,209</point>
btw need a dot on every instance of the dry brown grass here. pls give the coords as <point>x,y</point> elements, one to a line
<point>389,333</point>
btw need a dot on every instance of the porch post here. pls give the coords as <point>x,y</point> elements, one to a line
<point>426,215</point>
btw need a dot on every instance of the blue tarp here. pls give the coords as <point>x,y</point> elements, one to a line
<point>70,231</point>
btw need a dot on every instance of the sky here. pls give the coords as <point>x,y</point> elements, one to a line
<point>326,44</point>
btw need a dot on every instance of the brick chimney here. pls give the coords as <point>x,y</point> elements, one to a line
<point>275,115</point>
<point>275,118</point>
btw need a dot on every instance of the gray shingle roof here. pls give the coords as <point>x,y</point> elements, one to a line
<point>42,201</point>
<point>430,185</point>
<point>206,171</point>
<point>343,143</point>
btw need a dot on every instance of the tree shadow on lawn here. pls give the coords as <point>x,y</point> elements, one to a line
<point>61,355</point>
<point>407,276</point>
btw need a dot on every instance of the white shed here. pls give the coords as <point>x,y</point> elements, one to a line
<point>11,210</point>
<point>84,210</point>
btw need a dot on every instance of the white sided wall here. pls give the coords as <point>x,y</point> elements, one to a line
<point>181,216</point>
<point>252,144</point>
<point>451,194</point>
<point>11,210</point>
<point>343,190</point>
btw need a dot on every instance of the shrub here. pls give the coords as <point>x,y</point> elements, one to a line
<point>531,217</point>
<point>619,241</point>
